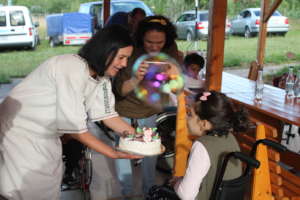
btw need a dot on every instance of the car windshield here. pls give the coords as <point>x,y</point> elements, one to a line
<point>127,7</point>
<point>257,13</point>
<point>203,17</point>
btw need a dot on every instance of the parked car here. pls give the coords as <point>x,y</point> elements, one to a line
<point>189,27</point>
<point>247,23</point>
<point>96,8</point>
<point>17,28</point>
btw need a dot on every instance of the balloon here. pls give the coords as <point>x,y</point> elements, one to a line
<point>163,78</point>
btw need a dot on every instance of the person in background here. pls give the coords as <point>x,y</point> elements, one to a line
<point>154,34</point>
<point>213,120</point>
<point>57,98</point>
<point>193,63</point>
<point>128,20</point>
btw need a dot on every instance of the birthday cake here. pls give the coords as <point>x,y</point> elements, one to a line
<point>145,142</point>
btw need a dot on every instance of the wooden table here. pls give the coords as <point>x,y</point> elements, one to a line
<point>274,108</point>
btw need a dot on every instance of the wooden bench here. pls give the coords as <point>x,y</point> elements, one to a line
<point>271,180</point>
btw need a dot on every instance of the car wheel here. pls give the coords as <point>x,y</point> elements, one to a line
<point>282,34</point>
<point>52,43</point>
<point>33,46</point>
<point>38,40</point>
<point>247,33</point>
<point>189,36</point>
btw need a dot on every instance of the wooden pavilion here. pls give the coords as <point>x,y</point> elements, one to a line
<point>271,180</point>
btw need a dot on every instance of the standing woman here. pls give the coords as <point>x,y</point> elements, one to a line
<point>57,98</point>
<point>154,34</point>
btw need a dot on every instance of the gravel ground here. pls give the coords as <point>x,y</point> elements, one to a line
<point>269,69</point>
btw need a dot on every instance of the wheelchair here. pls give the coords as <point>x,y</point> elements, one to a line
<point>166,127</point>
<point>80,159</point>
<point>223,189</point>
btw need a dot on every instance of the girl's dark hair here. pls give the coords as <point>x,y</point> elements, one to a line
<point>158,23</point>
<point>218,110</point>
<point>102,48</point>
<point>194,58</point>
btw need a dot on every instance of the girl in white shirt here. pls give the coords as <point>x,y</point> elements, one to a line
<point>213,119</point>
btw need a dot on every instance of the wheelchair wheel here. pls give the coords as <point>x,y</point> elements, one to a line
<point>166,127</point>
<point>162,192</point>
<point>85,171</point>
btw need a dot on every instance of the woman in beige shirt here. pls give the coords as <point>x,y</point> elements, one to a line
<point>57,98</point>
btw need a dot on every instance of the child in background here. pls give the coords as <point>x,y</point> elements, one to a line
<point>213,120</point>
<point>193,63</point>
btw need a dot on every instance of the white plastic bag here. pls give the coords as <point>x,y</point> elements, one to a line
<point>292,142</point>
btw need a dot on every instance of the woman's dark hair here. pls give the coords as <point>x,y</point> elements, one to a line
<point>218,110</point>
<point>158,23</point>
<point>102,48</point>
<point>194,58</point>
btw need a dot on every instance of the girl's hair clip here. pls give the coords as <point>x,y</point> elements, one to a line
<point>161,21</point>
<point>204,96</point>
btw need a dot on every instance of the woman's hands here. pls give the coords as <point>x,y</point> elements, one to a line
<point>126,133</point>
<point>141,72</point>
<point>123,155</point>
<point>130,84</point>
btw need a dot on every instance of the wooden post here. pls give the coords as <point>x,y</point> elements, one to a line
<point>215,44</point>
<point>262,34</point>
<point>261,189</point>
<point>266,12</point>
<point>183,143</point>
<point>106,10</point>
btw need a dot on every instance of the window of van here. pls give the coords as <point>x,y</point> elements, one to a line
<point>2,18</point>
<point>128,6</point>
<point>96,10</point>
<point>204,17</point>
<point>17,18</point>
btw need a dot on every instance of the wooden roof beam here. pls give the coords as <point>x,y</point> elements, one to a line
<point>272,10</point>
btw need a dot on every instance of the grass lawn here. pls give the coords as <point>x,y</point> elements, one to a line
<point>18,63</point>
<point>238,52</point>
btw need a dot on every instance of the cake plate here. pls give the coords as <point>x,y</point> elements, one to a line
<point>163,149</point>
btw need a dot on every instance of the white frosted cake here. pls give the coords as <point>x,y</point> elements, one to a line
<point>145,142</point>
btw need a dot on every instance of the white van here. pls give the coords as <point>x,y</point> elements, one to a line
<point>17,28</point>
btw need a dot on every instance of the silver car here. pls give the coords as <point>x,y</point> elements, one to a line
<point>189,28</point>
<point>247,23</point>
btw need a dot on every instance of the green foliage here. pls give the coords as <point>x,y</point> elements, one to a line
<point>169,8</point>
<point>173,8</point>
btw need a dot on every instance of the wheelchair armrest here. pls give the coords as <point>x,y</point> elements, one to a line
<point>245,158</point>
<point>267,142</point>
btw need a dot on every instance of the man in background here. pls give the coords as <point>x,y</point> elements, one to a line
<point>129,20</point>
